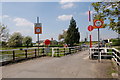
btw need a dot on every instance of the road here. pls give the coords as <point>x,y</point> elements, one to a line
<point>71,66</point>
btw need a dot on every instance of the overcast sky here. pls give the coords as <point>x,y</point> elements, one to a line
<point>54,16</point>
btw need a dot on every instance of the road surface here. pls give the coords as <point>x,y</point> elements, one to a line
<point>71,66</point>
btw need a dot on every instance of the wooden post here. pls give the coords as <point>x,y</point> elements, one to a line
<point>25,53</point>
<point>42,51</point>
<point>57,52</point>
<point>13,55</point>
<point>64,52</point>
<point>35,53</point>
<point>70,50</point>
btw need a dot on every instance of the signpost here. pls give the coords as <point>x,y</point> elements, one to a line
<point>90,28</point>
<point>38,30</point>
<point>47,42</point>
<point>98,24</point>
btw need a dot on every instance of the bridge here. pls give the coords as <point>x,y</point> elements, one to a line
<point>76,65</point>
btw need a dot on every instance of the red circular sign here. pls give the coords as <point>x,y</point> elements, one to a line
<point>47,42</point>
<point>90,28</point>
<point>98,23</point>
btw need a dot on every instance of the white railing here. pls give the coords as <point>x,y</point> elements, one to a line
<point>106,52</point>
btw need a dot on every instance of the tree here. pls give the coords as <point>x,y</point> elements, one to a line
<point>15,40</point>
<point>3,33</point>
<point>27,41</point>
<point>73,35</point>
<point>63,35</point>
<point>108,11</point>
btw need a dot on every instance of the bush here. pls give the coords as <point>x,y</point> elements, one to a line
<point>115,42</point>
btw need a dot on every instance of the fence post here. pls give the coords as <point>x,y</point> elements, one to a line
<point>42,51</point>
<point>53,52</point>
<point>35,53</point>
<point>70,50</point>
<point>13,55</point>
<point>57,52</point>
<point>64,52</point>
<point>26,53</point>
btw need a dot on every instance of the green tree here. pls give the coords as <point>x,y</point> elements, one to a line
<point>27,41</point>
<point>15,40</point>
<point>63,35</point>
<point>73,35</point>
<point>3,33</point>
<point>108,11</point>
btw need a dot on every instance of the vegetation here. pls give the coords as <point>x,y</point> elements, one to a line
<point>15,40</point>
<point>73,35</point>
<point>108,11</point>
<point>115,42</point>
<point>27,41</point>
<point>3,33</point>
<point>63,35</point>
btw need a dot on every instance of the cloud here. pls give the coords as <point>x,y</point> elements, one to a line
<point>66,6</point>
<point>22,22</point>
<point>5,16</point>
<point>65,17</point>
<point>66,1</point>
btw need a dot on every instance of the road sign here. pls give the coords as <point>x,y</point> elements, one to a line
<point>47,42</point>
<point>98,23</point>
<point>38,30</point>
<point>38,24</point>
<point>90,28</point>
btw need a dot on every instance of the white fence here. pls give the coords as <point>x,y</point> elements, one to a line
<point>105,52</point>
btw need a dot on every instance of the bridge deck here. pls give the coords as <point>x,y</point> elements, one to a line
<point>71,66</point>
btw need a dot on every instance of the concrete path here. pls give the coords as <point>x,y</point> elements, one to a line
<point>71,66</point>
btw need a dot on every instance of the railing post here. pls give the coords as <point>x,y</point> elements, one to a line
<point>57,52</point>
<point>70,50</point>
<point>53,52</point>
<point>26,53</point>
<point>64,52</point>
<point>42,51</point>
<point>13,55</point>
<point>35,53</point>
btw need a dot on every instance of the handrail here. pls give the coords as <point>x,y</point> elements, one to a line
<point>115,53</point>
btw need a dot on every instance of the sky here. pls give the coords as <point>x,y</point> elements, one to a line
<point>54,16</point>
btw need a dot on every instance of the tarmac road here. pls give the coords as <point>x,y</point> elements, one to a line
<point>71,66</point>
